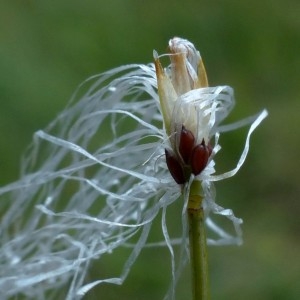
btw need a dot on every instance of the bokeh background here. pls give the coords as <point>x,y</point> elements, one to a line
<point>48,47</point>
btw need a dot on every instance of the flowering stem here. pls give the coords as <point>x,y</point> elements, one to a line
<point>197,237</point>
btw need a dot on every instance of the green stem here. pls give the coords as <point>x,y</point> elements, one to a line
<point>197,237</point>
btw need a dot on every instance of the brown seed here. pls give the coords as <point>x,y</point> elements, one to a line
<point>186,144</point>
<point>175,168</point>
<point>199,158</point>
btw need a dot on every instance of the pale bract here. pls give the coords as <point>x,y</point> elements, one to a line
<point>96,178</point>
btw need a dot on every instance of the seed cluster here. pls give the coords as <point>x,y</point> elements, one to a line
<point>190,158</point>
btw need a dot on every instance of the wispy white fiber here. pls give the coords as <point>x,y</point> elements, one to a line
<point>94,180</point>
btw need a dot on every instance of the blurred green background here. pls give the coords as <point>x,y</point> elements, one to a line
<point>48,47</point>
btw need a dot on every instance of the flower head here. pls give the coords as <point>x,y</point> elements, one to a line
<point>95,177</point>
<point>190,109</point>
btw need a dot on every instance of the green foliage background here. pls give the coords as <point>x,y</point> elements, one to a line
<point>48,47</point>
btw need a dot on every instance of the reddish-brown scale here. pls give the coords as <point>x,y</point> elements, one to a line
<point>186,144</point>
<point>208,146</point>
<point>199,158</point>
<point>175,168</point>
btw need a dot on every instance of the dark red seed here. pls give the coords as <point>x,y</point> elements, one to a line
<point>199,159</point>
<point>186,144</point>
<point>175,168</point>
